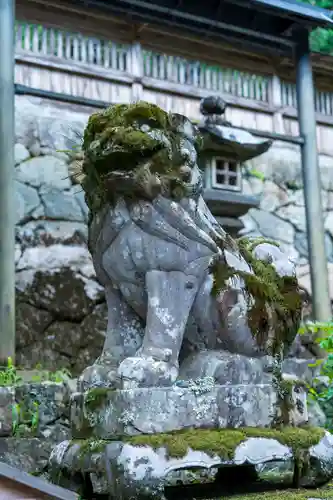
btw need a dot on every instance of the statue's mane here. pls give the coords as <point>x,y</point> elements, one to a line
<point>134,151</point>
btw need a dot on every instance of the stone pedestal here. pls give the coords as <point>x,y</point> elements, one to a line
<point>135,442</point>
<point>142,466</point>
<point>104,413</point>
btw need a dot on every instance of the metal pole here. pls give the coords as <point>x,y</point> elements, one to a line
<point>311,179</point>
<point>7,213</point>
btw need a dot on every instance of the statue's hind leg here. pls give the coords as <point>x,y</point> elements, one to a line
<point>170,298</point>
<point>123,338</point>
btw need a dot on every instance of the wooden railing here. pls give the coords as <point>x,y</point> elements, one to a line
<point>77,48</point>
<point>203,76</point>
<point>71,47</point>
<point>94,68</point>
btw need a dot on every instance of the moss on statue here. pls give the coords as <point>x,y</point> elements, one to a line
<point>272,299</point>
<point>126,148</point>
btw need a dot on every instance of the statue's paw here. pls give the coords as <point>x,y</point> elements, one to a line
<point>97,375</point>
<point>146,372</point>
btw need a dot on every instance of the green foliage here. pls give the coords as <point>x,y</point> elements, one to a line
<point>321,39</point>
<point>252,172</point>
<point>57,377</point>
<point>322,393</point>
<point>8,375</point>
<point>271,298</point>
<point>25,421</point>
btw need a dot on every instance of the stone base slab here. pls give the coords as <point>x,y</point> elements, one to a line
<point>124,470</point>
<point>105,413</point>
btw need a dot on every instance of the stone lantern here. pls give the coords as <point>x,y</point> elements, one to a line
<point>225,150</point>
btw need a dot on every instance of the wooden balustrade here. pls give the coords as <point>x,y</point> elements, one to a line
<point>92,67</point>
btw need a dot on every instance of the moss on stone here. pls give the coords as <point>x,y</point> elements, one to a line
<point>122,139</point>
<point>223,442</point>
<point>124,115</point>
<point>88,447</point>
<point>95,397</point>
<point>220,442</point>
<point>271,298</point>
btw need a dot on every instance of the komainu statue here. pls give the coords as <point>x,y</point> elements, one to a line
<point>176,284</point>
<point>191,383</point>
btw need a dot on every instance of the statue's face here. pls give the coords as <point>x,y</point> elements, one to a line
<point>189,159</point>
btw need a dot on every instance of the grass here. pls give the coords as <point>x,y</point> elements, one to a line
<point>322,493</point>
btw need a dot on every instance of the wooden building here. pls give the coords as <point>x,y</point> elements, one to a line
<point>18,485</point>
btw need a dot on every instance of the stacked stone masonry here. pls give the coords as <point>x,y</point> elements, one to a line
<point>61,314</point>
<point>34,417</point>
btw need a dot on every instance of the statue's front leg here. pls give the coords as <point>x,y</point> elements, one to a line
<point>123,337</point>
<point>170,298</point>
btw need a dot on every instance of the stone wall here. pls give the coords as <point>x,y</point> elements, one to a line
<point>281,215</point>
<point>34,417</point>
<point>61,315</point>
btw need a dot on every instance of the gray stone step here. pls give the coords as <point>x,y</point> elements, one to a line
<point>105,413</point>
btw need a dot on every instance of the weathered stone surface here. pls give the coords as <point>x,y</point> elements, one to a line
<point>273,227</point>
<point>317,417</point>
<point>63,292</point>
<point>326,177</point>
<point>273,196</point>
<point>52,400</point>
<point>77,258</point>
<point>225,368</point>
<point>303,273</point>
<point>26,201</point>
<point>144,469</point>
<point>47,232</point>
<point>79,194</point>
<point>249,224</point>
<point>61,205</point>
<point>293,214</point>
<point>18,253</point>
<point>55,344</point>
<point>64,337</point>
<point>253,186</point>
<point>28,454</point>
<point>44,170</point>
<point>20,153</point>
<point>40,353</point>
<point>24,446</point>
<point>274,166</point>
<point>31,323</point>
<point>7,399</point>
<point>301,245</point>
<point>58,278</point>
<point>191,404</point>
